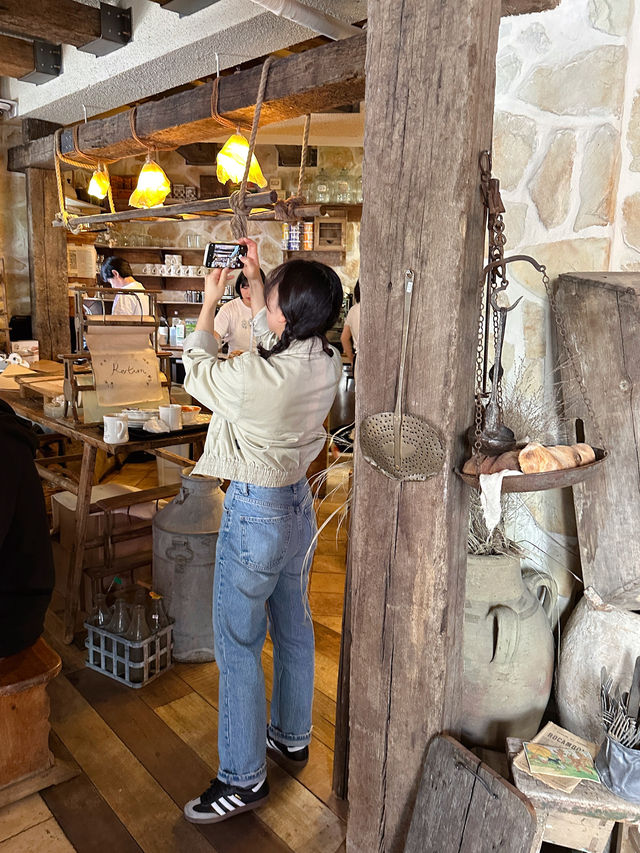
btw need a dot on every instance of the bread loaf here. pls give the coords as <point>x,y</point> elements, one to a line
<point>567,457</point>
<point>472,466</point>
<point>585,452</point>
<point>534,459</point>
<point>506,462</point>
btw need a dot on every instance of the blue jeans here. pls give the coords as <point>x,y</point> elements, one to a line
<point>261,572</point>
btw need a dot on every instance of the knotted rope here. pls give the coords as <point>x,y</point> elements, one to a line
<point>237,199</point>
<point>285,211</point>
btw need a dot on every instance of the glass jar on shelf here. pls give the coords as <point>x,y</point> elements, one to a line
<point>321,189</point>
<point>358,190</point>
<point>343,187</point>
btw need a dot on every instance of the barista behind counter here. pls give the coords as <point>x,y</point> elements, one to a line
<point>232,323</point>
<point>117,273</point>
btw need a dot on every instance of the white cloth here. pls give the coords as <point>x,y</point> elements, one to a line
<point>268,415</point>
<point>490,491</point>
<point>233,324</point>
<point>128,304</point>
<point>352,320</point>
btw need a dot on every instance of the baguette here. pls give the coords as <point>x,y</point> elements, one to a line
<point>506,462</point>
<point>567,457</point>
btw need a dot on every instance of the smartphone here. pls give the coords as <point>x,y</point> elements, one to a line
<point>224,255</point>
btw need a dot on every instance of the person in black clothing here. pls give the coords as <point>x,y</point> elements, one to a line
<point>26,559</point>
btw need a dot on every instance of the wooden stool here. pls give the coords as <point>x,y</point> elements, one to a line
<point>24,711</point>
<point>582,819</point>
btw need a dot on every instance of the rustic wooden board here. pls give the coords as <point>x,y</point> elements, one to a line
<point>182,774</point>
<point>628,839</point>
<point>56,21</point>
<point>465,807</point>
<point>318,79</point>
<point>151,817</point>
<point>429,115</point>
<point>16,57</point>
<point>602,315</point>
<point>46,836</point>
<point>47,266</point>
<point>71,801</point>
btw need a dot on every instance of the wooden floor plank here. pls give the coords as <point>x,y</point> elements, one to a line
<point>292,812</point>
<point>46,837</point>
<point>24,814</point>
<point>72,801</point>
<point>146,810</point>
<point>178,769</point>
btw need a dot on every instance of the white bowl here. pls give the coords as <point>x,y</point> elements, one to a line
<point>190,414</point>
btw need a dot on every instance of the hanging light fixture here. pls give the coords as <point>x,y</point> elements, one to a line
<point>232,160</point>
<point>99,184</point>
<point>153,185</point>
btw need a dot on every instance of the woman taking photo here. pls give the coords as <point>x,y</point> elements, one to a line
<point>268,410</point>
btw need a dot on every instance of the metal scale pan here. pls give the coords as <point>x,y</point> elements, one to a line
<point>547,479</point>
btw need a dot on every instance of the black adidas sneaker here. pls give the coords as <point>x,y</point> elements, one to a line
<point>295,759</point>
<point>221,801</point>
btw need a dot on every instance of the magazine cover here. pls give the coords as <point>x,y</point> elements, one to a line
<point>559,761</point>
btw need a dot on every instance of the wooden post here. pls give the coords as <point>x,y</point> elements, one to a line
<point>430,74</point>
<point>47,266</point>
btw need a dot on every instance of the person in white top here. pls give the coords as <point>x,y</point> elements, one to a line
<point>116,272</point>
<point>351,330</point>
<point>232,323</point>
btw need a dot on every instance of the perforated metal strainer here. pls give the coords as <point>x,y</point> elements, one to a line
<point>404,447</point>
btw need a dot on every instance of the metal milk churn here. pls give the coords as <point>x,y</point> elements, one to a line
<point>185,534</point>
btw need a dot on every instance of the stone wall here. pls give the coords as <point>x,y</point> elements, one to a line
<point>567,152</point>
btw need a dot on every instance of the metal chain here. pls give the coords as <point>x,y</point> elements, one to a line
<point>571,355</point>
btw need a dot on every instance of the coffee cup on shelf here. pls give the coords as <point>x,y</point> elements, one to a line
<point>116,429</point>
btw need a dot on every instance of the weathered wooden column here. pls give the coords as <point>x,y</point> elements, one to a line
<point>430,90</point>
<point>47,265</point>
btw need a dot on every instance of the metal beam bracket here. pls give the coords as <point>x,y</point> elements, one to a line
<point>47,62</point>
<point>115,24</point>
<point>187,7</point>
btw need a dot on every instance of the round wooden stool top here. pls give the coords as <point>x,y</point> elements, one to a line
<point>36,665</point>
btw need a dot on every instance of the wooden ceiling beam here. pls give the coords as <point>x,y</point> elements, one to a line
<point>57,21</point>
<point>304,82</point>
<point>16,57</point>
<point>525,7</point>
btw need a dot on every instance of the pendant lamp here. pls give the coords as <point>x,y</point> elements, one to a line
<point>232,159</point>
<point>153,185</point>
<point>99,184</point>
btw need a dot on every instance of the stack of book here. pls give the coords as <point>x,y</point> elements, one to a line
<point>558,758</point>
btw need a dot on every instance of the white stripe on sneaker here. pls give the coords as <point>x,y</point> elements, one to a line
<point>258,786</point>
<point>227,805</point>
<point>217,809</point>
<point>236,800</point>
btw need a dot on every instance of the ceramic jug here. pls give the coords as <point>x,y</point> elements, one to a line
<point>508,650</point>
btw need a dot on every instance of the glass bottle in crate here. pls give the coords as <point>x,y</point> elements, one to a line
<point>118,625</point>
<point>100,617</point>
<point>157,614</point>
<point>138,631</point>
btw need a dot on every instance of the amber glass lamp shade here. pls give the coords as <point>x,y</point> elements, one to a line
<point>232,159</point>
<point>153,185</point>
<point>99,183</point>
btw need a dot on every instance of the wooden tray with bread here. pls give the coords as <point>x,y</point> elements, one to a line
<point>541,467</point>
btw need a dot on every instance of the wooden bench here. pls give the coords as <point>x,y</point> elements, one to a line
<point>24,711</point>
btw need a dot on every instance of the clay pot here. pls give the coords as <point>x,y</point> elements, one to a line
<point>508,650</point>
<point>597,635</point>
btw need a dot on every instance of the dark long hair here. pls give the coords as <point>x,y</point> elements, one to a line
<point>242,279</point>
<point>117,264</point>
<point>310,297</point>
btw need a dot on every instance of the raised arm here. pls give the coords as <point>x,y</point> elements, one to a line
<point>252,271</point>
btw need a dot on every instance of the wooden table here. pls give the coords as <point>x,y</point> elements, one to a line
<point>92,440</point>
<point>582,819</point>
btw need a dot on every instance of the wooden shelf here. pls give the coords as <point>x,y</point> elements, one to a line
<point>152,248</point>
<point>333,257</point>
